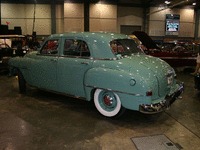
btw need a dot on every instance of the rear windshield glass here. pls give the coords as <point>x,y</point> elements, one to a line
<point>122,47</point>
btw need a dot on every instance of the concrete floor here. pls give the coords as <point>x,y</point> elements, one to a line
<point>40,120</point>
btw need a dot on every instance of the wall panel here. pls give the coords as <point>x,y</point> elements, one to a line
<point>157,28</point>
<point>22,15</point>
<point>73,17</point>
<point>129,16</point>
<point>72,25</point>
<point>59,18</point>
<point>103,17</point>
<point>157,21</point>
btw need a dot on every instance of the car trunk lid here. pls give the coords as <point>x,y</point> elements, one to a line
<point>162,71</point>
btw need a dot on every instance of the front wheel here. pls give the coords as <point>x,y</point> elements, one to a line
<point>108,103</point>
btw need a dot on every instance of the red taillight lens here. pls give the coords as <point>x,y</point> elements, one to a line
<point>149,93</point>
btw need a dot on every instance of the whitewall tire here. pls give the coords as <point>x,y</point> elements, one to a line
<point>108,103</point>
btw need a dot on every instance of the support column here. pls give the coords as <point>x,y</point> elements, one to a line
<point>0,12</point>
<point>86,16</point>
<point>144,19</point>
<point>196,34</point>
<point>53,18</point>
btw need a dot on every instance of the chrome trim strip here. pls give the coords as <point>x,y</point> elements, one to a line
<point>105,58</point>
<point>192,58</point>
<point>114,90</point>
<point>69,56</point>
<point>48,55</point>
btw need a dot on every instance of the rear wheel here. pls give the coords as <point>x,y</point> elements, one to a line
<point>108,103</point>
<point>22,82</point>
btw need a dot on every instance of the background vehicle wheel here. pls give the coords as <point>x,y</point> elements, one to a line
<point>22,82</point>
<point>108,103</point>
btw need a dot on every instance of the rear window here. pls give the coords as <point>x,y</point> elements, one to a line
<point>122,47</point>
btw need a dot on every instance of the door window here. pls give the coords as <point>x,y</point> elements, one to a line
<point>50,47</point>
<point>76,48</point>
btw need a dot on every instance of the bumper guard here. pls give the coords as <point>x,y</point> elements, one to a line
<point>164,105</point>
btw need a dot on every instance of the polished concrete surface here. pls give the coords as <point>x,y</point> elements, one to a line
<point>39,120</point>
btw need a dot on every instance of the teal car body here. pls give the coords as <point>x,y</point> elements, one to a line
<point>108,68</point>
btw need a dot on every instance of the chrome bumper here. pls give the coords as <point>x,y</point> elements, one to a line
<point>162,106</point>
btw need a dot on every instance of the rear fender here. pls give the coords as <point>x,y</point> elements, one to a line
<point>114,80</point>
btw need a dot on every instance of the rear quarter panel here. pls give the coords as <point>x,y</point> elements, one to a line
<point>119,82</point>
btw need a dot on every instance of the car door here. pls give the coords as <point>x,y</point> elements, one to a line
<point>43,70</point>
<point>72,66</point>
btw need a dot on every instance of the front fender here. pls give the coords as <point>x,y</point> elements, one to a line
<point>18,62</point>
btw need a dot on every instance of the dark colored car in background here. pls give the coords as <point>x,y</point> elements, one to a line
<point>11,46</point>
<point>176,54</point>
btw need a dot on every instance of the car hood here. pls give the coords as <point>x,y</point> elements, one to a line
<point>146,40</point>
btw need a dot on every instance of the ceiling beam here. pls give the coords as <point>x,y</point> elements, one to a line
<point>173,4</point>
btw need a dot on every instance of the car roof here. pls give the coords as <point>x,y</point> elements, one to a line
<point>91,35</point>
<point>98,42</point>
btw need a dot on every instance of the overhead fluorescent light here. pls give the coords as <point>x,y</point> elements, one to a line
<point>167,2</point>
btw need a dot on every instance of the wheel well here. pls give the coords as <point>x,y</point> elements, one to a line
<point>92,94</point>
<point>13,71</point>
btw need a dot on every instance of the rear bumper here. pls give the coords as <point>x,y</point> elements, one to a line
<point>162,106</point>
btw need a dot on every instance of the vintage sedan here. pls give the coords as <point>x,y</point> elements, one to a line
<point>108,68</point>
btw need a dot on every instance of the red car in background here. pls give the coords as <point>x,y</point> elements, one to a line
<point>176,54</point>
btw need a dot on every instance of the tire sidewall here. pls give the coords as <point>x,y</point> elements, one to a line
<point>101,110</point>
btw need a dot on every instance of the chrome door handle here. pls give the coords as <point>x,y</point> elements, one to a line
<point>53,59</point>
<point>86,63</point>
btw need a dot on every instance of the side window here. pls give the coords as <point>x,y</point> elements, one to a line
<point>76,48</point>
<point>50,47</point>
<point>117,47</point>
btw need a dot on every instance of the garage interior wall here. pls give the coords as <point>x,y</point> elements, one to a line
<point>103,17</point>
<point>132,16</point>
<point>22,15</point>
<point>73,17</point>
<point>59,18</point>
<point>157,21</point>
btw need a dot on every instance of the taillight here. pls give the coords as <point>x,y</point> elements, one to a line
<point>149,93</point>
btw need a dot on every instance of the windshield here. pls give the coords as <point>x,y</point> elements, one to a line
<point>122,47</point>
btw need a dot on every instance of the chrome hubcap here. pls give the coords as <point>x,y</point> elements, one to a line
<point>108,100</point>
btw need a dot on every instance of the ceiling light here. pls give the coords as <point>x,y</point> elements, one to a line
<point>167,2</point>
<point>194,3</point>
